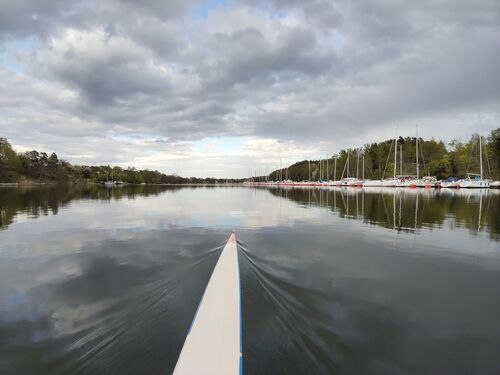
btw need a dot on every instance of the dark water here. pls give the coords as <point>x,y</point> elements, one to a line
<point>335,282</point>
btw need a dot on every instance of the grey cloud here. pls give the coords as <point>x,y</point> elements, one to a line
<point>251,59</point>
<point>25,17</point>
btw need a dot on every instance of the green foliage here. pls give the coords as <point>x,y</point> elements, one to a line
<point>439,168</point>
<point>40,167</point>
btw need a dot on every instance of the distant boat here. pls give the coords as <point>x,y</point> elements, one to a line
<point>428,182</point>
<point>451,183</point>
<point>474,180</point>
<point>351,182</point>
<point>387,182</point>
<point>373,183</point>
<point>214,343</point>
<point>334,183</point>
<point>109,182</point>
<point>407,181</point>
<point>495,185</point>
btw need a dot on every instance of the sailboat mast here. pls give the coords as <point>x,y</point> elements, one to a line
<point>347,172</point>
<point>416,126</point>
<point>363,171</point>
<point>395,157</point>
<point>327,170</point>
<point>401,159</point>
<point>480,158</point>
<point>335,169</point>
<point>309,170</point>
<point>357,167</point>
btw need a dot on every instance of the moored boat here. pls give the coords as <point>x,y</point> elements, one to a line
<point>428,182</point>
<point>214,343</point>
<point>373,183</point>
<point>407,181</point>
<point>474,181</point>
<point>451,183</point>
<point>351,182</point>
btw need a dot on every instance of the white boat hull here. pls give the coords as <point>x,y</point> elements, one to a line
<point>213,344</point>
<point>373,183</point>
<point>471,184</point>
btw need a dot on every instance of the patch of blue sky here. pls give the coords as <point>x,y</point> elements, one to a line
<point>280,14</point>
<point>339,39</point>
<point>131,137</point>
<point>220,144</point>
<point>11,64</point>
<point>207,7</point>
<point>10,54</point>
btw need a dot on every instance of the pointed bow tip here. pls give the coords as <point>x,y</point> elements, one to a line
<point>232,238</point>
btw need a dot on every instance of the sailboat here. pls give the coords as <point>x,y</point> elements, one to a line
<point>109,182</point>
<point>350,181</point>
<point>388,182</point>
<point>335,182</point>
<point>451,183</point>
<point>474,180</point>
<point>411,181</point>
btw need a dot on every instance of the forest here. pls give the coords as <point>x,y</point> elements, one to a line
<point>376,160</point>
<point>35,166</point>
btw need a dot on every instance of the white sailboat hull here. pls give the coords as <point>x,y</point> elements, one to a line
<point>373,183</point>
<point>471,184</point>
<point>213,344</point>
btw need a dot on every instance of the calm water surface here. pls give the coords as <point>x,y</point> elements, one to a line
<point>333,281</point>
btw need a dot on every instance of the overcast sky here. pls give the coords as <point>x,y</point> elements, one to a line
<point>219,88</point>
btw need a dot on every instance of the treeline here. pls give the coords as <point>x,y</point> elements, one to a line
<point>40,167</point>
<point>435,159</point>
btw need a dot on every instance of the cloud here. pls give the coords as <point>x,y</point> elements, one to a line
<point>319,75</point>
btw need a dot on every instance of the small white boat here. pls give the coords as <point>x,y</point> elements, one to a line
<point>474,181</point>
<point>213,344</point>
<point>388,182</point>
<point>373,183</point>
<point>334,183</point>
<point>351,182</point>
<point>495,185</point>
<point>451,183</point>
<point>407,181</point>
<point>428,182</point>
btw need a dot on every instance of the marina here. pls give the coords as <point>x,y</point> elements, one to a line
<point>470,181</point>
